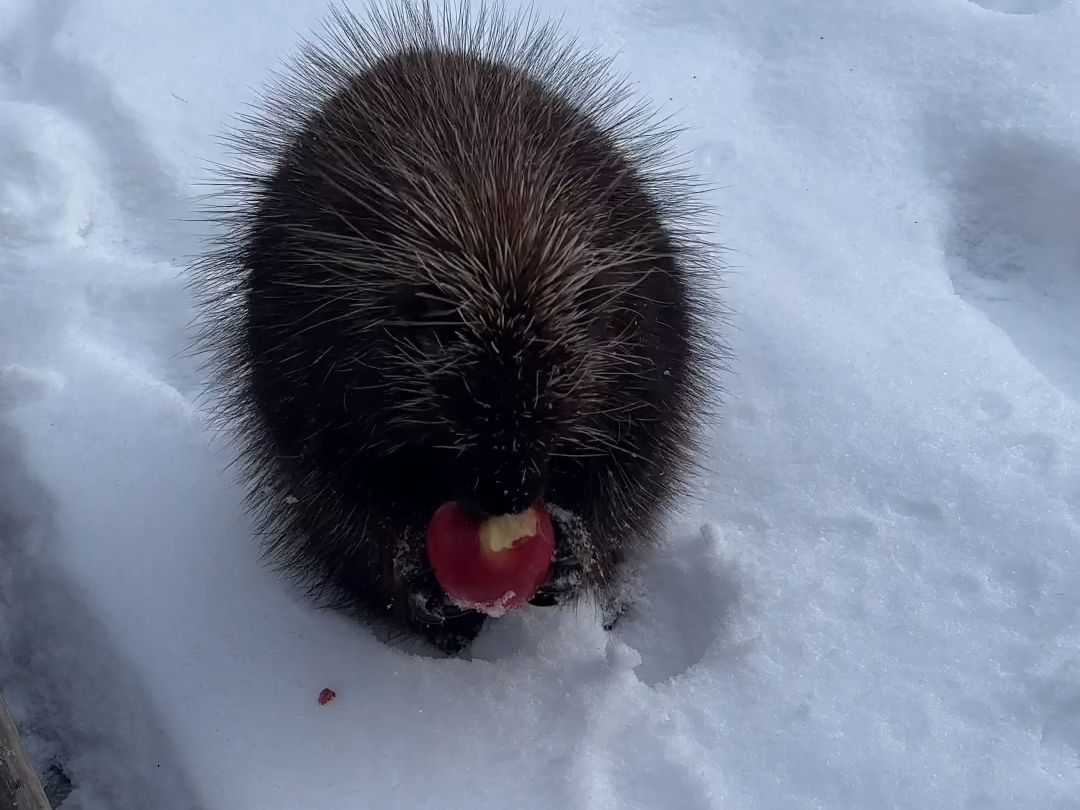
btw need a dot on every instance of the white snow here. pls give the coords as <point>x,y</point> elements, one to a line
<point>875,603</point>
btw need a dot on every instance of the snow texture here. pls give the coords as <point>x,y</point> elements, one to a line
<point>873,604</point>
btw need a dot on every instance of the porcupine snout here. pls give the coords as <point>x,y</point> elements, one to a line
<point>502,482</point>
<point>506,416</point>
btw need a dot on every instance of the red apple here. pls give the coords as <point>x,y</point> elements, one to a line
<point>326,695</point>
<point>492,565</point>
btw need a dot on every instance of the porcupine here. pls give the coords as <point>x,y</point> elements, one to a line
<point>456,264</point>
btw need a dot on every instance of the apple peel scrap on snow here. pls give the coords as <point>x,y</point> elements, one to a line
<point>491,565</point>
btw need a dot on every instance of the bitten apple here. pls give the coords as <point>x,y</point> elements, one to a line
<point>494,564</point>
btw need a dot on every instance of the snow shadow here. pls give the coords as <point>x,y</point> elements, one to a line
<point>1013,245</point>
<point>88,727</point>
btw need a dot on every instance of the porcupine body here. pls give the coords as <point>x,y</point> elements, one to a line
<point>454,267</point>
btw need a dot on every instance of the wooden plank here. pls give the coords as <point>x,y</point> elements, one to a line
<point>20,788</point>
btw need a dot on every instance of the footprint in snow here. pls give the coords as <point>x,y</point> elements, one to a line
<point>20,385</point>
<point>685,601</point>
<point>1013,249</point>
<point>43,196</point>
<point>1018,6</point>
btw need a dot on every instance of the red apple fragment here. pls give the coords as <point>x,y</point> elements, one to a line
<point>492,565</point>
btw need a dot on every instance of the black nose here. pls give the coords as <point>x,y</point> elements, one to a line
<point>506,490</point>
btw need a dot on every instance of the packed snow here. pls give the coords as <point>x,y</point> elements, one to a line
<point>872,604</point>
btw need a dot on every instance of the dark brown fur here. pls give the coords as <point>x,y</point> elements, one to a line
<point>455,268</point>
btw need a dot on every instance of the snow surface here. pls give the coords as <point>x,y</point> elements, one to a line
<point>874,606</point>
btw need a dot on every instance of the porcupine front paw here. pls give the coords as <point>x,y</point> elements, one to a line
<point>430,613</point>
<point>563,583</point>
<point>448,627</point>
<point>571,564</point>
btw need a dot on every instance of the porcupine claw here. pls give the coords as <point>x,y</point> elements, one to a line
<point>563,584</point>
<point>568,570</point>
<point>446,626</point>
<point>428,604</point>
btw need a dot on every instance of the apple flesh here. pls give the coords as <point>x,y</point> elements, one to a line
<point>491,565</point>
